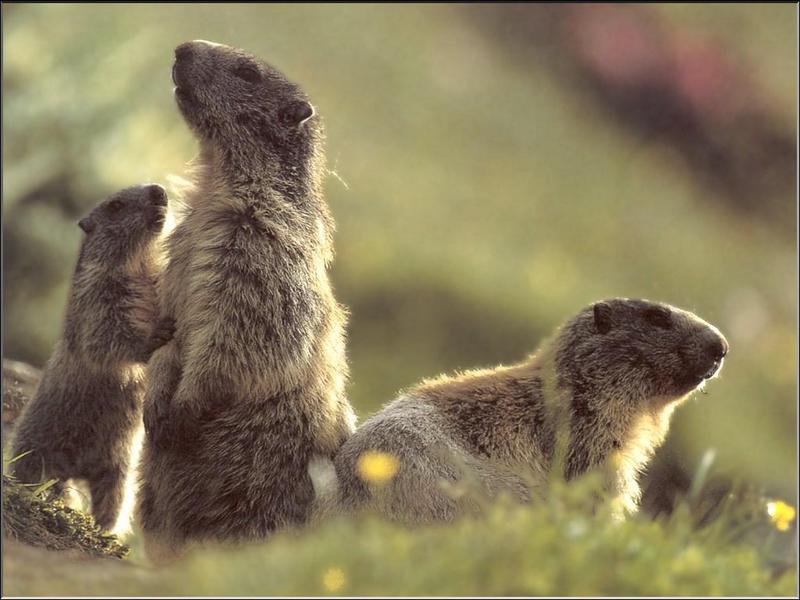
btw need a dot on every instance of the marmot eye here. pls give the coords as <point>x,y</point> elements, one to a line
<point>659,318</point>
<point>249,74</point>
<point>114,206</point>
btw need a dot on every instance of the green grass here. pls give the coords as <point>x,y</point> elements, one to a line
<point>555,549</point>
<point>567,546</point>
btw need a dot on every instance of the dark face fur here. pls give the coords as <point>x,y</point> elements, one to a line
<point>119,226</point>
<point>242,105</point>
<point>639,349</point>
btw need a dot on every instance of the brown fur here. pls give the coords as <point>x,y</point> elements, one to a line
<point>599,394</point>
<point>252,388</point>
<point>82,420</point>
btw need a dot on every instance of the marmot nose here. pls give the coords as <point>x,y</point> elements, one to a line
<point>158,195</point>
<point>717,348</point>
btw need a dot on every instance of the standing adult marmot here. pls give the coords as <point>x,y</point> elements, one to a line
<point>599,393</point>
<point>252,387</point>
<point>87,407</point>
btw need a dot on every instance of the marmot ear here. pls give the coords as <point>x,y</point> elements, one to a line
<point>86,224</point>
<point>602,317</point>
<point>297,112</point>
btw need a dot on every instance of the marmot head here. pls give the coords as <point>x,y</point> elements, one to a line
<point>122,225</point>
<point>637,351</point>
<point>244,105</point>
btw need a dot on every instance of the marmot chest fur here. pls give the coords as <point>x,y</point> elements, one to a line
<point>87,406</point>
<point>252,388</point>
<point>599,393</point>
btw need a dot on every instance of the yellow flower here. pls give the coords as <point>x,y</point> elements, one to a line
<point>333,579</point>
<point>377,467</point>
<point>781,514</point>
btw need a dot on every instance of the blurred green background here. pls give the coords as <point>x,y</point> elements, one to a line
<point>482,192</point>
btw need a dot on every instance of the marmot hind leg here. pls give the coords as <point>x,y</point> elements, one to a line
<point>108,492</point>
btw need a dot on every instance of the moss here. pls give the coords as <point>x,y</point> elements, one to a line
<point>31,519</point>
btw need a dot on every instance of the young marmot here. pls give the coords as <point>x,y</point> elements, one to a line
<point>600,393</point>
<point>81,421</point>
<point>251,390</point>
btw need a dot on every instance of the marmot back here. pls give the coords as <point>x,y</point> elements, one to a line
<point>252,388</point>
<point>600,393</point>
<point>82,418</point>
